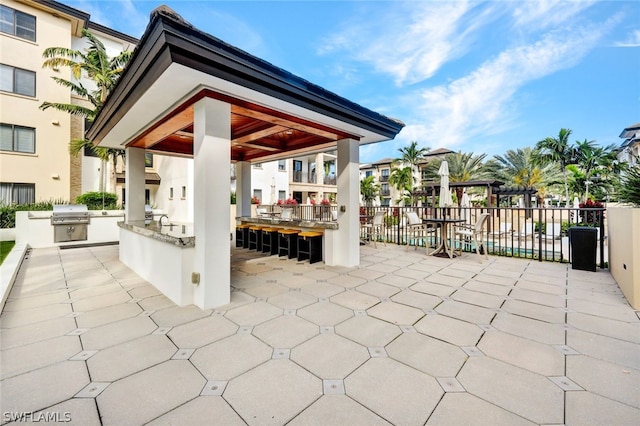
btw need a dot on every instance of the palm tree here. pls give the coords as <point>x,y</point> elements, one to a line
<point>593,159</point>
<point>369,190</point>
<point>519,168</point>
<point>102,71</point>
<point>412,155</point>
<point>463,167</point>
<point>557,150</point>
<point>401,178</point>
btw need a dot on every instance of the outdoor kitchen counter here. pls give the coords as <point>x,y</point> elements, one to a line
<point>289,223</point>
<point>180,235</point>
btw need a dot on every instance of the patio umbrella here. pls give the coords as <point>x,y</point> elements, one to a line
<point>576,205</point>
<point>445,192</point>
<point>273,190</point>
<point>465,203</point>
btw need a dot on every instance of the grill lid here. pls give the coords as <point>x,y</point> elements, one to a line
<point>70,209</point>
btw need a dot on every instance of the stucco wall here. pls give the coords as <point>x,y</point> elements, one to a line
<point>624,251</point>
<point>49,167</point>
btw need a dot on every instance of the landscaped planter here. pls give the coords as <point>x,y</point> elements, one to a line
<point>624,251</point>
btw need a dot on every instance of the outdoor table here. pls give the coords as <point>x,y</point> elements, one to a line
<point>443,247</point>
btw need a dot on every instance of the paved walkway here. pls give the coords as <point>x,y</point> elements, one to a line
<point>404,339</point>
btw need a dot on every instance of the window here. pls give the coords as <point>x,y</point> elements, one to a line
<point>16,23</point>
<point>257,166</point>
<point>17,80</point>
<point>282,165</point>
<point>17,193</point>
<point>17,138</point>
<point>171,193</point>
<point>257,194</point>
<point>183,194</point>
<point>282,195</point>
<point>368,173</point>
<point>148,159</point>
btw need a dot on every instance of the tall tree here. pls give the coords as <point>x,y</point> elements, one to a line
<point>519,168</point>
<point>95,64</point>
<point>369,190</point>
<point>401,178</point>
<point>463,167</point>
<point>411,156</point>
<point>557,150</point>
<point>593,160</point>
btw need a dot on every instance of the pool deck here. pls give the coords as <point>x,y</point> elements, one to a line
<point>404,339</point>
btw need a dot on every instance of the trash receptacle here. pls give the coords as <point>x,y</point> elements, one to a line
<point>583,243</point>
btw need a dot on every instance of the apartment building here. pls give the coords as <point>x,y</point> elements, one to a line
<point>630,148</point>
<point>382,169</point>
<point>313,178</point>
<point>35,163</point>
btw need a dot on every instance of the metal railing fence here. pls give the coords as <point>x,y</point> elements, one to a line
<point>531,233</point>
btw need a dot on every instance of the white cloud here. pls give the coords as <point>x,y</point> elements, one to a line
<point>482,103</point>
<point>413,41</point>
<point>632,40</point>
<point>544,14</point>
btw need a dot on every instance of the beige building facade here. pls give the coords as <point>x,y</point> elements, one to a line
<point>35,164</point>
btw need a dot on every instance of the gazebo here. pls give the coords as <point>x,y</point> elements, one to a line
<point>186,93</point>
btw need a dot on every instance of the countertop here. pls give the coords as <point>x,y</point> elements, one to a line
<point>178,234</point>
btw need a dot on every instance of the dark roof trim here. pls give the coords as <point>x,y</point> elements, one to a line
<point>470,183</point>
<point>67,10</point>
<point>169,39</point>
<point>113,33</point>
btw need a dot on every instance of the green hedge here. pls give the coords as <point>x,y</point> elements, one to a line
<point>96,200</point>
<point>93,200</point>
<point>8,212</point>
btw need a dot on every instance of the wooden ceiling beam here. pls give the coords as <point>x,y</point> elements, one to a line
<point>282,122</point>
<point>259,135</point>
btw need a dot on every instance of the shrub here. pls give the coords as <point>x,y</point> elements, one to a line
<point>99,200</point>
<point>255,200</point>
<point>630,186</point>
<point>233,197</point>
<point>8,212</point>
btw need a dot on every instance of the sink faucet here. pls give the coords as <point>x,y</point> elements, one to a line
<point>160,220</point>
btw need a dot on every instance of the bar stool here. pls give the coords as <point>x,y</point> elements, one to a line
<point>288,242</point>
<point>242,235</point>
<point>255,237</point>
<point>270,240</point>
<point>310,246</point>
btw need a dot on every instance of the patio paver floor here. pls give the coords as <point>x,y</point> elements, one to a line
<point>402,339</point>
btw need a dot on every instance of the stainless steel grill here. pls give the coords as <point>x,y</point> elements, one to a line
<point>70,222</point>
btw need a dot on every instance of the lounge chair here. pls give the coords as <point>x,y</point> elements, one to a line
<point>375,229</point>
<point>503,230</point>
<point>468,235</point>
<point>552,231</point>
<point>416,230</point>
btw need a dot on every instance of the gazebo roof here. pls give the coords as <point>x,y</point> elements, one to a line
<point>274,114</point>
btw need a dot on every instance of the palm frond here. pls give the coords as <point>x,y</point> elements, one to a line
<point>68,108</point>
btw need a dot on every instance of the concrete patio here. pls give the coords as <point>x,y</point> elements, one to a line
<point>404,339</point>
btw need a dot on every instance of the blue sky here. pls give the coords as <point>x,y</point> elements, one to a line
<point>480,77</point>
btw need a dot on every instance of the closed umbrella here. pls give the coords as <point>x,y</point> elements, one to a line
<point>576,205</point>
<point>465,203</point>
<point>273,190</point>
<point>445,193</point>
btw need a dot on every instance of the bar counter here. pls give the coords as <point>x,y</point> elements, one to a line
<point>289,223</point>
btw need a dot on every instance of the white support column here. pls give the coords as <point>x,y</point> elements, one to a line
<point>134,185</point>
<point>243,188</point>
<point>212,174</point>
<point>343,246</point>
